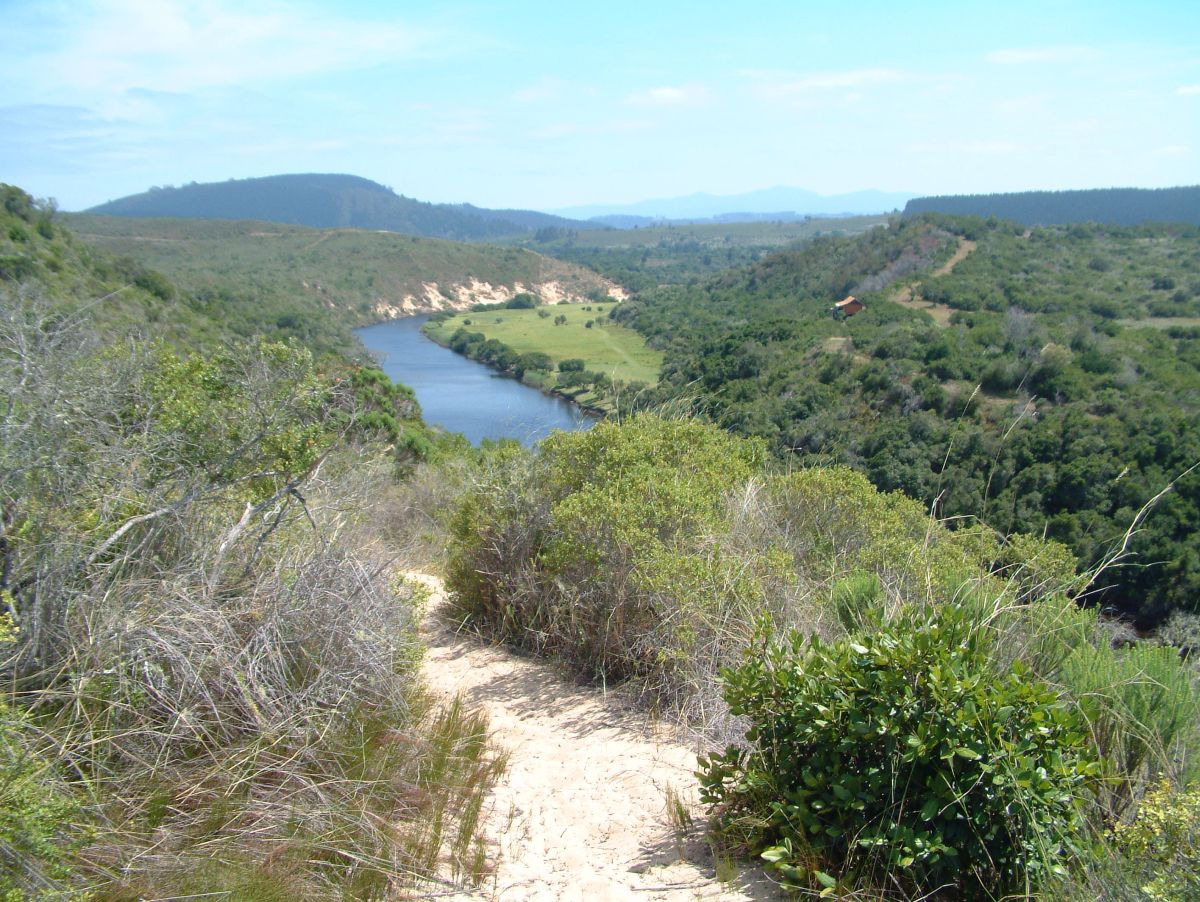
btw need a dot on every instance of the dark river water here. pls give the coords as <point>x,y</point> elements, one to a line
<point>464,396</point>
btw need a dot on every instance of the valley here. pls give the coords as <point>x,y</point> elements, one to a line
<point>645,452</point>
<point>962,498</point>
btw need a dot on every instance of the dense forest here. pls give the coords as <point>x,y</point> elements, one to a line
<point>1113,206</point>
<point>1049,383</point>
<point>330,202</point>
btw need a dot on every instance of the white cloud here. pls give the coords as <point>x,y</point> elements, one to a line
<point>1025,55</point>
<point>1188,90</point>
<point>1173,150</point>
<point>110,47</point>
<point>685,95</point>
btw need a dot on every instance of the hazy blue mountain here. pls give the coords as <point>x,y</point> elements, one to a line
<point>329,201</point>
<point>774,201</point>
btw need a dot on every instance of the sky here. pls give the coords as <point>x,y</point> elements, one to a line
<point>544,105</point>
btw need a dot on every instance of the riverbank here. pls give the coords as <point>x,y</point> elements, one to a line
<point>461,395</point>
<point>593,406</point>
<point>571,351</point>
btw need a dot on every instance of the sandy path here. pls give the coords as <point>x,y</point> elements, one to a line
<point>965,246</point>
<point>581,813</point>
<point>906,296</point>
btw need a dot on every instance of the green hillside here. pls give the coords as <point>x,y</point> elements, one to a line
<point>331,202</point>
<point>211,663</point>
<point>202,646</point>
<point>906,710</point>
<point>646,257</point>
<point>359,276</point>
<point>1049,383</point>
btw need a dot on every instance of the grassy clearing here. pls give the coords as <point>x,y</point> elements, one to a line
<point>605,347</point>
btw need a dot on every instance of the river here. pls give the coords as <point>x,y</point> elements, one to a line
<point>464,396</point>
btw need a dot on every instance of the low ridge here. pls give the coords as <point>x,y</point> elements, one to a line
<point>329,201</point>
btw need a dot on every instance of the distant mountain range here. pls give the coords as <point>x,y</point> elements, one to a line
<point>1115,206</point>
<point>770,203</point>
<point>331,202</point>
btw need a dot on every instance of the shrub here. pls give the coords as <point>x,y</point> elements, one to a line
<point>1163,843</point>
<point>1142,713</point>
<point>586,550</point>
<point>36,810</point>
<point>210,641</point>
<point>901,752</point>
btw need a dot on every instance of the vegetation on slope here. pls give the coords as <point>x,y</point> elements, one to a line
<point>328,202</point>
<point>1042,401</point>
<point>929,714</point>
<point>307,274</point>
<point>210,674</point>
<point>1115,206</point>
<point>642,258</point>
<point>120,295</point>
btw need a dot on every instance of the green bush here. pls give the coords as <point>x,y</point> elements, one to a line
<point>902,754</point>
<point>588,549</point>
<point>1163,843</point>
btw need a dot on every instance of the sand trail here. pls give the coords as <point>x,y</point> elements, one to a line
<point>582,812</point>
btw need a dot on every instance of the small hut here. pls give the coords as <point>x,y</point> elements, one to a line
<point>848,307</point>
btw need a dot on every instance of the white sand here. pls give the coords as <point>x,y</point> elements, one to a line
<point>582,812</point>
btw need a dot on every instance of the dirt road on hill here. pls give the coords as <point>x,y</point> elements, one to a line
<point>907,296</point>
<point>582,811</point>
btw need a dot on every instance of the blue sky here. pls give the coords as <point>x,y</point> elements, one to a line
<point>546,105</point>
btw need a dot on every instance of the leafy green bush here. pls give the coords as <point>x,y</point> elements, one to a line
<point>587,550</point>
<point>902,753</point>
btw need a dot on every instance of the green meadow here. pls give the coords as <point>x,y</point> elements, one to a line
<point>605,347</point>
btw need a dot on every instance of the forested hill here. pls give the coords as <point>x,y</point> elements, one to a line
<point>330,201</point>
<point>1115,206</point>
<point>1049,381</point>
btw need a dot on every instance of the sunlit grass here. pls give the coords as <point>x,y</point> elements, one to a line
<point>605,348</point>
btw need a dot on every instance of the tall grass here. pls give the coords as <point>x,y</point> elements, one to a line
<point>213,660</point>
